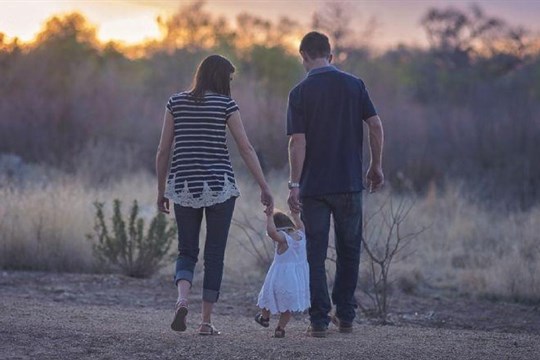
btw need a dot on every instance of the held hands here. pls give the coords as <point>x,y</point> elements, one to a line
<point>267,200</point>
<point>163,204</point>
<point>269,212</point>
<point>375,178</point>
<point>294,201</point>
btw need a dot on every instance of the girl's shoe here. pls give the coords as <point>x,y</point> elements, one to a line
<point>208,329</point>
<point>179,321</point>
<point>264,322</point>
<point>279,332</point>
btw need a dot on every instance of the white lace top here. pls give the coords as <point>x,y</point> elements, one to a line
<point>201,174</point>
<point>286,286</point>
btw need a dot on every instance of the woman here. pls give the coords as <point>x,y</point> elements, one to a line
<point>201,179</point>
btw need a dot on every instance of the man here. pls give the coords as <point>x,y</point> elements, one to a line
<point>324,122</point>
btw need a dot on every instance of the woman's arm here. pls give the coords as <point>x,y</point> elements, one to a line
<point>162,160</point>
<point>250,157</point>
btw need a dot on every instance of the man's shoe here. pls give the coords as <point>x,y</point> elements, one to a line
<point>316,331</point>
<point>343,326</point>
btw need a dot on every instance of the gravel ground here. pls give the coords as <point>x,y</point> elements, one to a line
<point>74,316</point>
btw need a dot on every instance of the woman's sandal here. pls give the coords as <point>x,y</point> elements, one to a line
<point>208,329</point>
<point>264,322</point>
<point>279,332</point>
<point>179,321</point>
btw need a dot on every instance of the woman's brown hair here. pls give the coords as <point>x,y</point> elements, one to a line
<point>282,221</point>
<point>213,74</point>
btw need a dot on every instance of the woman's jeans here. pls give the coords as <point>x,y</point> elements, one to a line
<point>218,222</point>
<point>346,210</point>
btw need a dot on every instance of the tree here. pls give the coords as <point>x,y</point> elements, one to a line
<point>252,31</point>
<point>335,21</point>
<point>72,28</point>
<point>194,28</point>
<point>458,37</point>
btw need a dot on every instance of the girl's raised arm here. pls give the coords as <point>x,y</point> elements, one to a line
<point>272,231</point>
<point>298,221</point>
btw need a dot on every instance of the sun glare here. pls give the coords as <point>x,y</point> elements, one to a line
<point>121,22</point>
<point>130,30</point>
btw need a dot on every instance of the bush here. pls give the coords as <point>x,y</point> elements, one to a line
<point>384,240</point>
<point>131,252</point>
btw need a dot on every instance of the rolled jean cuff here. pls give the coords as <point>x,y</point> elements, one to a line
<point>210,296</point>
<point>183,275</point>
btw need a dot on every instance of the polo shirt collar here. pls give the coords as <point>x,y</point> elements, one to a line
<point>321,70</point>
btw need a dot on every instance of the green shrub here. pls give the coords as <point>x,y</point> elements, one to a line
<point>130,250</point>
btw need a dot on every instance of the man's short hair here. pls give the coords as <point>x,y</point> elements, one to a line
<point>315,45</point>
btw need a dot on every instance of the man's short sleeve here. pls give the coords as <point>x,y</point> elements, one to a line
<point>368,109</point>
<point>295,116</point>
<point>231,107</point>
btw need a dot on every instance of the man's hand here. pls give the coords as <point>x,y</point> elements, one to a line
<point>163,204</point>
<point>375,178</point>
<point>294,200</point>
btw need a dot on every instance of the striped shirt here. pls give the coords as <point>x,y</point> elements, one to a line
<point>201,173</point>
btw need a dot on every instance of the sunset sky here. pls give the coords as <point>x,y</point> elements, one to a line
<point>133,21</point>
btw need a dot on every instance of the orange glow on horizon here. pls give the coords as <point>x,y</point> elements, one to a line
<point>133,22</point>
<point>114,21</point>
<point>130,31</point>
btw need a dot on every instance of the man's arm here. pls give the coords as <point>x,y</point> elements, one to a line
<point>375,176</point>
<point>297,154</point>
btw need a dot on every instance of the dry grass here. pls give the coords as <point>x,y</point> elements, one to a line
<point>466,247</point>
<point>43,224</point>
<point>473,249</point>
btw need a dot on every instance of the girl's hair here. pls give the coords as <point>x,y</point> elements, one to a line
<point>213,74</point>
<point>283,221</point>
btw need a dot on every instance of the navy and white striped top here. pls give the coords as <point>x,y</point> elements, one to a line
<point>201,173</point>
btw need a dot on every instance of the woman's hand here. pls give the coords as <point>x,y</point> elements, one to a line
<point>267,200</point>
<point>163,204</point>
<point>268,212</point>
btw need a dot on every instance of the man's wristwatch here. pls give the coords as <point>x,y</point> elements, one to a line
<point>293,185</point>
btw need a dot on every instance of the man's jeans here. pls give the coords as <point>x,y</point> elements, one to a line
<point>346,210</point>
<point>218,222</point>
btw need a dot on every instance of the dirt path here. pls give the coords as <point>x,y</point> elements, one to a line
<point>70,316</point>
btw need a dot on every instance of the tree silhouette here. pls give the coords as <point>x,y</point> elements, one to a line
<point>194,28</point>
<point>458,37</point>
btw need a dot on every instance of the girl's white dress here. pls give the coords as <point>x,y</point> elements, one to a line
<point>286,287</point>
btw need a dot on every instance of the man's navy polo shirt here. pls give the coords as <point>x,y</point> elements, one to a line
<point>328,106</point>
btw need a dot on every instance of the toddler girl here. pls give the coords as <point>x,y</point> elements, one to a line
<point>286,287</point>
